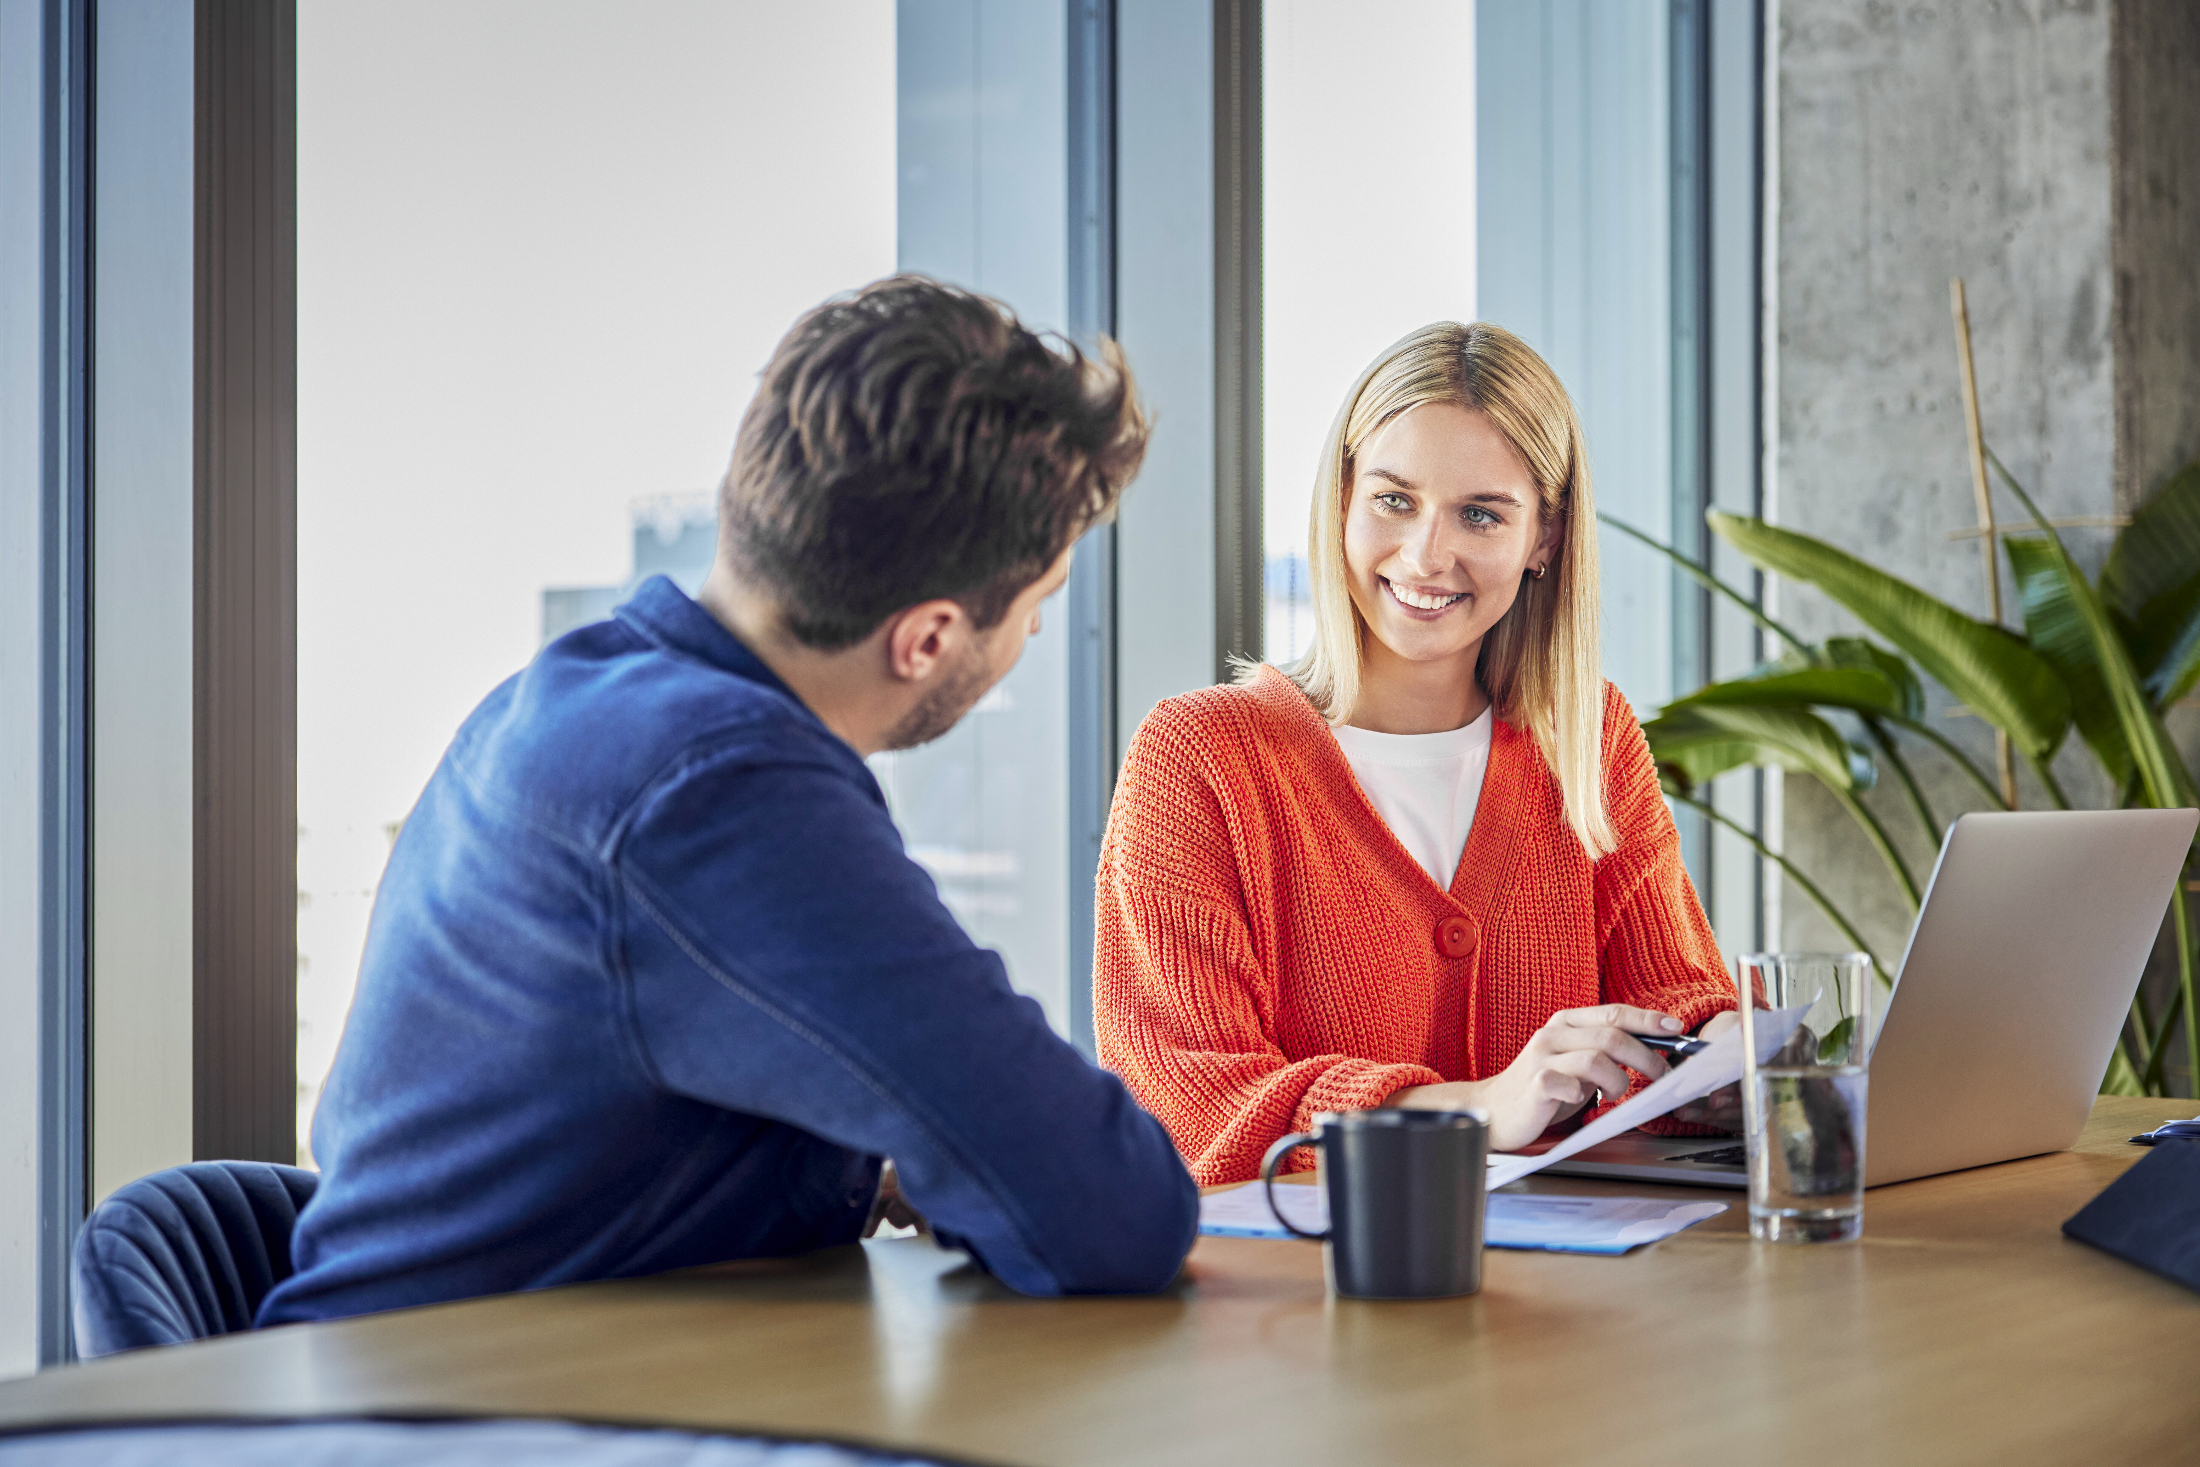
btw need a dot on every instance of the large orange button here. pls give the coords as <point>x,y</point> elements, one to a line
<point>1455,937</point>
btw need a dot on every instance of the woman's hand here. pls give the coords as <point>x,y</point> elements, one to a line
<point>1571,1058</point>
<point>1721,1109</point>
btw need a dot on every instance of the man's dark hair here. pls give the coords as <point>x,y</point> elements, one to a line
<point>914,441</point>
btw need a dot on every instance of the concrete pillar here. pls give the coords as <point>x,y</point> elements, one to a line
<point>2043,151</point>
<point>2154,177</point>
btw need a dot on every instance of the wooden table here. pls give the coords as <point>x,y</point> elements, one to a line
<point>1965,1328</point>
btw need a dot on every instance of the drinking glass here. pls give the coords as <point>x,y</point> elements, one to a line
<point>1803,1107</point>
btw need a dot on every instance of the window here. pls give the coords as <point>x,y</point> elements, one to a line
<point>982,199</point>
<point>543,252</point>
<point>1369,231</point>
<point>1585,176</point>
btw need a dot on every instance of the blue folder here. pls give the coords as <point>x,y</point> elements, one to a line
<point>2151,1214</point>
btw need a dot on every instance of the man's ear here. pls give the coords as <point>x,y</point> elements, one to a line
<point>922,638</point>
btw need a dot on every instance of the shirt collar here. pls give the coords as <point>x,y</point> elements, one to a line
<point>669,617</point>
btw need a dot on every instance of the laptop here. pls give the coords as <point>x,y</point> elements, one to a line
<point>2034,934</point>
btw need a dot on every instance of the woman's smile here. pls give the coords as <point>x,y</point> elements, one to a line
<point>1422,603</point>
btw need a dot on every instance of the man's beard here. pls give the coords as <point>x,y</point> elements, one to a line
<point>943,707</point>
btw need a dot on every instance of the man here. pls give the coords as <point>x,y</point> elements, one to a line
<point>650,981</point>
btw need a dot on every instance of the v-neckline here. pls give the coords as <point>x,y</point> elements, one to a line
<point>1488,851</point>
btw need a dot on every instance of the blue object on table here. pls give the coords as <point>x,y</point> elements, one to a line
<point>2150,1215</point>
<point>421,1444</point>
<point>2170,1131</point>
<point>185,1253</point>
<point>1547,1222</point>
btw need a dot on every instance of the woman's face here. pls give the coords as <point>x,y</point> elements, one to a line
<point>1440,523</point>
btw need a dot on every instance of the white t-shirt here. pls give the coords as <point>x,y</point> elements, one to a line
<point>1425,786</point>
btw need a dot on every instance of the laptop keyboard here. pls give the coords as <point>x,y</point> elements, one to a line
<point>1723,1156</point>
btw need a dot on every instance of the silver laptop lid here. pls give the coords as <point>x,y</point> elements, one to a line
<point>2034,933</point>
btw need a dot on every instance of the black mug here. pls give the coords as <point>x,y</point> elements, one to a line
<point>1406,1190</point>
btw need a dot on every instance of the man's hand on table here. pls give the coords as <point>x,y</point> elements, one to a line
<point>890,1209</point>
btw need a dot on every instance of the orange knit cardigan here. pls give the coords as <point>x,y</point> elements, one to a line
<point>1266,950</point>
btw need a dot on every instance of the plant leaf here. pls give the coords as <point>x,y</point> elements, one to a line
<point>1857,652</point>
<point>1834,1046</point>
<point>1719,737</point>
<point>1865,689</point>
<point>2165,643</point>
<point>2121,1078</point>
<point>1985,666</point>
<point>1709,582</point>
<point>1686,765</point>
<point>2058,632</point>
<point>2153,580</point>
<point>2161,768</point>
<point>2157,551</point>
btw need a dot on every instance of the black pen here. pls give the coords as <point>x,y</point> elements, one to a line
<point>1675,1046</point>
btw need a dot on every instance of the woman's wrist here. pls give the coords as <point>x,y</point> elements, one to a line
<point>1450,1095</point>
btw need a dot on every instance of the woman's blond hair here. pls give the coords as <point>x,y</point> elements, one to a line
<point>1539,663</point>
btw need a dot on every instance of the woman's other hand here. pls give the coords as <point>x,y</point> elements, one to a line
<point>1721,1109</point>
<point>1576,1054</point>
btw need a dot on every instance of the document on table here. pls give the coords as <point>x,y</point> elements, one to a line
<point>1692,1079</point>
<point>1514,1220</point>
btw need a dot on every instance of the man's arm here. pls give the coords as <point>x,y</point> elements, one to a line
<point>787,959</point>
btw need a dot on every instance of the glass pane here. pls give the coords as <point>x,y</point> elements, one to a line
<point>984,203</point>
<point>543,249</point>
<point>1368,202</point>
<point>1576,256</point>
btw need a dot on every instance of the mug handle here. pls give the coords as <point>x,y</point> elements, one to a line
<point>1276,1153</point>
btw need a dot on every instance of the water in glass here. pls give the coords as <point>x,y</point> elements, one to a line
<point>1808,1155</point>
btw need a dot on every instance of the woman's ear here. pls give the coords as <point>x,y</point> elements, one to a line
<point>1548,541</point>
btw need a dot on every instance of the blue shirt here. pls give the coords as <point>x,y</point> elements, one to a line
<point>651,983</point>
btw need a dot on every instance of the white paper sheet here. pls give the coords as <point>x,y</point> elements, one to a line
<point>1692,1079</point>
<point>1242,1212</point>
<point>1540,1221</point>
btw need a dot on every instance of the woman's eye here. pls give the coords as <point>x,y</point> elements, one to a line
<point>1477,515</point>
<point>1396,503</point>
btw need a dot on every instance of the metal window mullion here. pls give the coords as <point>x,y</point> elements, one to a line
<point>65,660</point>
<point>1237,255</point>
<point>244,986</point>
<point>1092,584</point>
<point>1690,207</point>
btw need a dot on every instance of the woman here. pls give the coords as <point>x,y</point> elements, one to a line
<point>1428,865</point>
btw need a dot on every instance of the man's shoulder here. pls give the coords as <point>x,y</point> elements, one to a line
<point>603,719</point>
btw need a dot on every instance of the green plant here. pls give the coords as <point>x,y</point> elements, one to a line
<point>2106,658</point>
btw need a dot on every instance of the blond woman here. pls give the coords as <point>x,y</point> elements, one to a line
<point>1427,865</point>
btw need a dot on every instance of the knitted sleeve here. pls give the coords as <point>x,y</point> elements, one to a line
<point>1182,1003</point>
<point>1655,944</point>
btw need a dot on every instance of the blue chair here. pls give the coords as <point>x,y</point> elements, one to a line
<point>185,1253</point>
